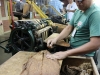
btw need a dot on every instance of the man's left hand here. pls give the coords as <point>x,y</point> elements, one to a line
<point>58,55</point>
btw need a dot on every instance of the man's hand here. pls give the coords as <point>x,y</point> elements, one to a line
<point>51,42</point>
<point>58,55</point>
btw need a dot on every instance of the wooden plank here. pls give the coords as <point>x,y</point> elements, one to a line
<point>34,65</point>
<point>61,42</point>
<point>51,67</point>
<point>94,67</point>
<point>14,65</point>
<point>40,65</point>
<point>30,63</point>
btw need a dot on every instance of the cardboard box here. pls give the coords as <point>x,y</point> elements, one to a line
<point>77,60</point>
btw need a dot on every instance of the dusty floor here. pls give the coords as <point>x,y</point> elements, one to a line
<point>4,56</point>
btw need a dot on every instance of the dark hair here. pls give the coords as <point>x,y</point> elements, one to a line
<point>61,0</point>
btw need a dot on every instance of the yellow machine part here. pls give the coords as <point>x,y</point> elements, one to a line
<point>8,6</point>
<point>39,11</point>
<point>54,9</point>
<point>9,13</point>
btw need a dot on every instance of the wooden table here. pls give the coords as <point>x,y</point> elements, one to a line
<point>14,65</point>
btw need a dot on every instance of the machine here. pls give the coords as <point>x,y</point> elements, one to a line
<point>28,35</point>
<point>55,19</point>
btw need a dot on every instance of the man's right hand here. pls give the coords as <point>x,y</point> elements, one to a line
<point>51,42</point>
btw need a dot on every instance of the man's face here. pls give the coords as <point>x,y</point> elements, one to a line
<point>83,4</point>
<point>70,1</point>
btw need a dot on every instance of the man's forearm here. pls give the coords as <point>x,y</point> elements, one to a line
<point>65,33</point>
<point>63,12</point>
<point>71,10</point>
<point>84,49</point>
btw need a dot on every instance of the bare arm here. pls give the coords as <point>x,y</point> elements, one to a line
<point>70,10</point>
<point>65,33</point>
<point>63,12</point>
<point>93,45</point>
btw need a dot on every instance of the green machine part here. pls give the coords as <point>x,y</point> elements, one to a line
<point>24,37</point>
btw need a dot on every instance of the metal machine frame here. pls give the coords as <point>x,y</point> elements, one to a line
<point>28,35</point>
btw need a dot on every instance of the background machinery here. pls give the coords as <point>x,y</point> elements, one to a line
<point>28,35</point>
<point>55,19</point>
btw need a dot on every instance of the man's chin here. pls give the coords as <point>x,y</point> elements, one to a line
<point>81,8</point>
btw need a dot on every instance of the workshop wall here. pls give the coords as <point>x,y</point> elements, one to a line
<point>4,17</point>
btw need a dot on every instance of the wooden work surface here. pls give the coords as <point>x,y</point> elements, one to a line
<point>14,65</point>
<point>60,43</point>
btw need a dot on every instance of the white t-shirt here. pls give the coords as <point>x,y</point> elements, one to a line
<point>72,6</point>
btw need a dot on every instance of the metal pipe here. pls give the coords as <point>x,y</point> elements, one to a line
<point>4,41</point>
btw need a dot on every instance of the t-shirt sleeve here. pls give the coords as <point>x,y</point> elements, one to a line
<point>94,24</point>
<point>72,20</point>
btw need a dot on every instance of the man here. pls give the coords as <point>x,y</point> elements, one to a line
<point>18,9</point>
<point>84,29</point>
<point>57,5</point>
<point>71,7</point>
